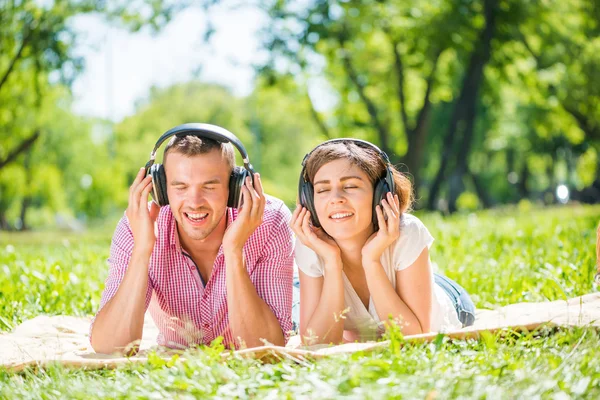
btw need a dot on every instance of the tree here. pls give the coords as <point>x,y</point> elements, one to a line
<point>383,60</point>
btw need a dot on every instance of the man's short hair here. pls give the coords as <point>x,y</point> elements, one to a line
<point>192,145</point>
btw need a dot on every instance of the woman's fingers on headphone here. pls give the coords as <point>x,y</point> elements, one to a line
<point>297,220</point>
<point>304,225</point>
<point>393,225</point>
<point>306,228</point>
<point>380,218</point>
<point>396,203</point>
<point>295,214</point>
<point>391,214</point>
<point>392,217</point>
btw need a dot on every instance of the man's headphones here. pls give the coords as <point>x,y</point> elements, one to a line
<point>221,135</point>
<point>383,185</point>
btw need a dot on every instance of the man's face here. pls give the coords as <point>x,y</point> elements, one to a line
<point>198,187</point>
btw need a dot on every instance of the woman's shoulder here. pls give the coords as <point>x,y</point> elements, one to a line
<point>410,224</point>
<point>414,237</point>
<point>307,260</point>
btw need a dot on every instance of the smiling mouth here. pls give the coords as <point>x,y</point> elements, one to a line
<point>196,217</point>
<point>341,216</point>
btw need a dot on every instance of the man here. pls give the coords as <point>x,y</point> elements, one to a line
<point>204,269</point>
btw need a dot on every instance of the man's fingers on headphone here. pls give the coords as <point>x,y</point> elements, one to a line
<point>146,182</point>
<point>258,185</point>
<point>144,196</point>
<point>138,178</point>
<point>134,184</point>
<point>256,200</point>
<point>248,200</point>
<point>252,188</point>
<point>137,190</point>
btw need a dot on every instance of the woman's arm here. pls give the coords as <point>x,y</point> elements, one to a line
<point>411,302</point>
<point>321,306</point>
<point>321,298</point>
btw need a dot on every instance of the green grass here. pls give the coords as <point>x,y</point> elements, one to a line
<point>500,257</point>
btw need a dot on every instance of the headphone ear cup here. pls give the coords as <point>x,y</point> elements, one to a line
<point>236,180</point>
<point>381,190</point>
<point>159,183</point>
<point>307,199</point>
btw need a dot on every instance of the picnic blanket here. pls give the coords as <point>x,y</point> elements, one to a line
<point>63,339</point>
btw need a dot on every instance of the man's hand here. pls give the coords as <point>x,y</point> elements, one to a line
<point>388,232</point>
<point>141,219</point>
<point>250,216</point>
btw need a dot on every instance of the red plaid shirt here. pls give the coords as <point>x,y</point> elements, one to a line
<point>185,310</point>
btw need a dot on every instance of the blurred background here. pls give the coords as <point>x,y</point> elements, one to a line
<point>483,103</point>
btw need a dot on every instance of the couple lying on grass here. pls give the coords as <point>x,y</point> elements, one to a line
<point>213,256</point>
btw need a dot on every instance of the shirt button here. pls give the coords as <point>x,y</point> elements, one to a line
<point>206,326</point>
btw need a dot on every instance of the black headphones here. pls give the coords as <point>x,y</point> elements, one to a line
<point>238,175</point>
<point>383,185</point>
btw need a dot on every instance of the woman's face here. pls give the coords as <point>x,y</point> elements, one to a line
<point>343,199</point>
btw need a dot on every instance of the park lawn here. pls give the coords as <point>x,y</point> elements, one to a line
<point>500,257</point>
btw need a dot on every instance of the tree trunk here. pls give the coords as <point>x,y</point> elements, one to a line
<point>4,226</point>
<point>27,198</point>
<point>522,184</point>
<point>463,115</point>
<point>455,187</point>
<point>22,147</point>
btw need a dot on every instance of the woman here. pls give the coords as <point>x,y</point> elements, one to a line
<point>361,258</point>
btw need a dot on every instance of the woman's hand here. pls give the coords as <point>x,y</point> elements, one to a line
<point>315,238</point>
<point>389,231</point>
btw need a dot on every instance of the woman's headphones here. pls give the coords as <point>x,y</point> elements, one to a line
<point>383,185</point>
<point>221,135</point>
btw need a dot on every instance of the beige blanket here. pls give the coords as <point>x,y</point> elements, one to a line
<point>64,339</point>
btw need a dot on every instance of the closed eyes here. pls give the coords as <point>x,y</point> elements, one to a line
<point>345,188</point>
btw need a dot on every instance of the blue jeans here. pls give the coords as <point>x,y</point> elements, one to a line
<point>460,298</point>
<point>296,304</point>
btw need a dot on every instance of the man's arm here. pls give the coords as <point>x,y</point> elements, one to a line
<point>260,309</point>
<point>250,317</point>
<point>127,294</point>
<point>120,321</point>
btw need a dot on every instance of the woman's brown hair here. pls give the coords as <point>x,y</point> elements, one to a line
<point>364,157</point>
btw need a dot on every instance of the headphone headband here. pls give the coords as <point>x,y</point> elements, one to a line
<point>208,131</point>
<point>382,153</point>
